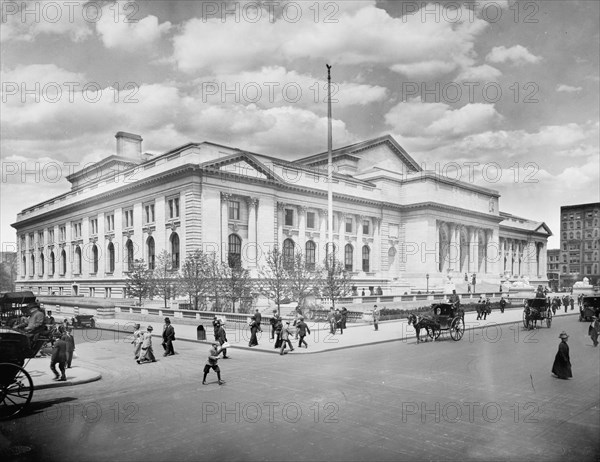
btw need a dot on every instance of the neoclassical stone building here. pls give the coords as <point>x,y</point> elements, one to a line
<point>394,225</point>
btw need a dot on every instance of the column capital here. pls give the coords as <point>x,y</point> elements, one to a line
<point>252,202</point>
<point>281,206</point>
<point>225,196</point>
<point>302,209</point>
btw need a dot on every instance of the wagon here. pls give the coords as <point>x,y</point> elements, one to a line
<point>445,317</point>
<point>84,320</point>
<point>16,348</point>
<point>534,310</point>
<point>590,306</point>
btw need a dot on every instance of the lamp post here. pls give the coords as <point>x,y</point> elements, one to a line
<point>427,277</point>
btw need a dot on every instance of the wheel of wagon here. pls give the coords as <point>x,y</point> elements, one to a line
<point>457,329</point>
<point>525,320</point>
<point>16,390</point>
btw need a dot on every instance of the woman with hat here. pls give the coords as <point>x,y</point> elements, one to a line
<point>562,363</point>
<point>253,331</point>
<point>147,354</point>
<point>137,340</point>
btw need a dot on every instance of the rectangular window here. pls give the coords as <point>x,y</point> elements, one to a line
<point>94,226</point>
<point>41,238</point>
<point>50,236</point>
<point>310,220</point>
<point>349,224</point>
<point>365,226</point>
<point>234,210</point>
<point>128,218</point>
<point>148,213</point>
<point>76,230</point>
<point>173,205</point>
<point>110,222</point>
<point>31,243</point>
<point>289,217</point>
<point>62,233</point>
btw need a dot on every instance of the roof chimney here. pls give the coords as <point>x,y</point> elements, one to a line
<point>129,145</point>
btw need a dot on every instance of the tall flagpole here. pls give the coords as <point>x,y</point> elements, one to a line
<point>329,168</point>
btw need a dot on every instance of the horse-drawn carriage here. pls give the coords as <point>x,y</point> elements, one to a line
<point>447,317</point>
<point>534,310</point>
<point>16,347</point>
<point>590,306</point>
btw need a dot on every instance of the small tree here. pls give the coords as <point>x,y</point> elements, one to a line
<point>304,280</point>
<point>236,284</point>
<point>139,280</point>
<point>163,278</point>
<point>194,278</point>
<point>337,282</point>
<point>215,274</point>
<point>275,278</point>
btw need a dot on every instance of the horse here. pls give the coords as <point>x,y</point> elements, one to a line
<point>422,323</point>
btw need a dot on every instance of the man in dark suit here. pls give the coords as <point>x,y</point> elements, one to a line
<point>70,340</point>
<point>222,338</point>
<point>59,356</point>
<point>168,337</point>
<point>216,324</point>
<point>258,319</point>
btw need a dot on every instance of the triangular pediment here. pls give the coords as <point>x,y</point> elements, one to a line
<point>383,153</point>
<point>244,165</point>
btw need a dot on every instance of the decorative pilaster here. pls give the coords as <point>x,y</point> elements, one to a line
<point>252,244</point>
<point>225,225</point>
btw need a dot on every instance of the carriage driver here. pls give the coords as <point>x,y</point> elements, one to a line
<point>35,322</point>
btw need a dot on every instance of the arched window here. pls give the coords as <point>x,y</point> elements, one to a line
<point>129,250</point>
<point>32,266</point>
<point>110,250</point>
<point>234,257</point>
<point>564,235</point>
<point>175,251</point>
<point>564,269</point>
<point>51,264</point>
<point>577,235</point>
<point>95,259</point>
<point>150,250</point>
<point>349,257</point>
<point>365,258</point>
<point>570,235</point>
<point>288,254</point>
<point>311,255</point>
<point>63,263</point>
<point>42,264</point>
<point>77,260</point>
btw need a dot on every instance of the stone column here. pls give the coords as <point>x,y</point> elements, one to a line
<point>224,225</point>
<point>280,218</point>
<point>322,234</point>
<point>454,254</point>
<point>474,251</point>
<point>359,243</point>
<point>252,244</point>
<point>376,260</point>
<point>302,228</point>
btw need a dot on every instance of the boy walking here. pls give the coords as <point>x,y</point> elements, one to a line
<point>211,363</point>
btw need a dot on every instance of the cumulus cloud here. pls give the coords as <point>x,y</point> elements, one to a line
<point>485,73</point>
<point>515,55</point>
<point>128,34</point>
<point>435,121</point>
<point>400,43</point>
<point>27,20</point>
<point>568,88</point>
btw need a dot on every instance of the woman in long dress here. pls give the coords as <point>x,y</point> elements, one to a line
<point>562,362</point>
<point>253,331</point>
<point>137,341</point>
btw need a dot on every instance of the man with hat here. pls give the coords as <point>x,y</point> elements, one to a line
<point>562,362</point>
<point>258,318</point>
<point>285,338</point>
<point>59,356</point>
<point>168,337</point>
<point>302,329</point>
<point>147,354</point>
<point>594,330</point>
<point>222,338</point>
<point>375,317</point>
<point>35,321</point>
<point>211,363</point>
<point>216,324</point>
<point>273,322</point>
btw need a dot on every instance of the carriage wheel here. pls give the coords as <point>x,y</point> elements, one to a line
<point>433,333</point>
<point>16,390</point>
<point>457,329</point>
<point>548,318</point>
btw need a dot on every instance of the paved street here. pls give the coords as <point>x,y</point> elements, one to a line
<point>488,397</point>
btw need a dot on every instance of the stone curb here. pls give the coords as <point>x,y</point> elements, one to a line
<point>399,339</point>
<point>69,383</point>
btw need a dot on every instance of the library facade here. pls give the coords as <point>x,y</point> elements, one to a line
<point>395,225</point>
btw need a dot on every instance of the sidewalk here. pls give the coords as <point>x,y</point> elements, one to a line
<point>320,340</point>
<point>42,376</point>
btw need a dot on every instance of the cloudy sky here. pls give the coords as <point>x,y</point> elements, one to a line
<point>500,93</point>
